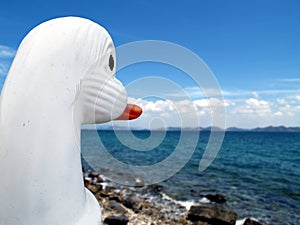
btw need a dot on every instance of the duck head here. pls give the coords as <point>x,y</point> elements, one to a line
<point>63,76</point>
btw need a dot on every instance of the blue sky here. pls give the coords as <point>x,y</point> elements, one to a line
<point>253,47</point>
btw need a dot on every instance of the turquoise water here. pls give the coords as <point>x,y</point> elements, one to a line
<point>257,172</point>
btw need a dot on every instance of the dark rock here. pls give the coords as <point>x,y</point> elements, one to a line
<point>94,174</point>
<point>132,203</point>
<point>251,222</point>
<point>87,181</point>
<point>94,189</point>
<point>114,198</point>
<point>117,207</point>
<point>139,183</point>
<point>116,220</point>
<point>100,179</point>
<point>200,223</point>
<point>107,192</point>
<point>99,185</point>
<point>211,215</point>
<point>217,198</point>
<point>155,188</point>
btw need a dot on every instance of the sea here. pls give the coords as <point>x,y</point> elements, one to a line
<point>257,172</point>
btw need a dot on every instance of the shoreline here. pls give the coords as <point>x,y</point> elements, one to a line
<point>148,205</point>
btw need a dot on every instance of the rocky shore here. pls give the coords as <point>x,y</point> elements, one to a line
<point>148,205</point>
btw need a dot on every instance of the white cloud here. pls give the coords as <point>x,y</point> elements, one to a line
<point>255,94</point>
<point>214,102</point>
<point>253,102</point>
<point>201,103</point>
<point>159,106</point>
<point>258,106</point>
<point>251,112</point>
<point>243,108</point>
<point>281,101</point>
<point>183,113</point>
<point>3,68</point>
<point>6,52</point>
<point>252,107</point>
<point>288,80</point>
<point>278,113</point>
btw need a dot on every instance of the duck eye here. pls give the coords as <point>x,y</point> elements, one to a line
<point>111,62</point>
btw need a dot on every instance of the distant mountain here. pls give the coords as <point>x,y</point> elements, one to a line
<point>191,129</point>
<point>208,129</point>
<point>236,129</point>
<point>265,129</point>
<point>276,129</point>
<point>258,129</point>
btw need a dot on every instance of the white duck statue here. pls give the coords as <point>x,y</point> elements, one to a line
<point>62,76</point>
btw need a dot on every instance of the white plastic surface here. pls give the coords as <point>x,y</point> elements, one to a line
<point>59,79</point>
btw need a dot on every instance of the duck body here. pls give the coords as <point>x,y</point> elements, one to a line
<point>61,78</point>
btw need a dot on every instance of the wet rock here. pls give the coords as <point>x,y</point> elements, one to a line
<point>217,198</point>
<point>132,202</point>
<point>211,215</point>
<point>251,222</point>
<point>116,220</point>
<point>93,174</point>
<point>93,188</point>
<point>115,198</point>
<point>117,207</point>
<point>139,183</point>
<point>199,223</point>
<point>100,179</point>
<point>155,188</point>
<point>146,206</point>
<point>107,192</point>
<point>87,181</point>
<point>99,185</point>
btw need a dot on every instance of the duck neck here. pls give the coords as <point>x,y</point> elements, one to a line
<point>40,161</point>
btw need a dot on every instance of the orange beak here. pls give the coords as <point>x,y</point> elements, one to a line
<point>131,112</point>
